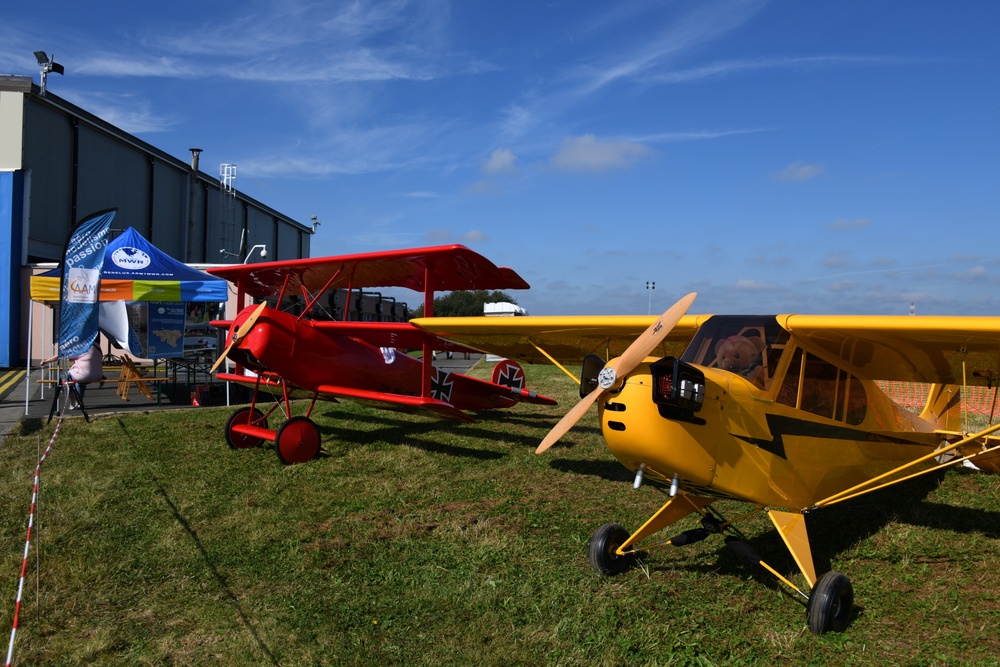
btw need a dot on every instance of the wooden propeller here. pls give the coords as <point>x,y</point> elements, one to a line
<point>240,333</point>
<point>618,368</point>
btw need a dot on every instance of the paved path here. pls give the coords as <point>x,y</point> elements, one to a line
<point>15,405</point>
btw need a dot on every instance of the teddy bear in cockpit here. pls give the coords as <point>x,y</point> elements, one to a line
<point>742,355</point>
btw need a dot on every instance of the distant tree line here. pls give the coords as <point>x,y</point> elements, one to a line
<point>464,304</point>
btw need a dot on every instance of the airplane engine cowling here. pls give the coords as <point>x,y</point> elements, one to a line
<point>639,434</point>
<point>678,388</point>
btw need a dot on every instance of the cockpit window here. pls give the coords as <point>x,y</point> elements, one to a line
<point>819,387</point>
<point>748,345</point>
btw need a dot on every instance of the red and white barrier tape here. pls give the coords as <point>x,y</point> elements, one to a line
<point>27,542</point>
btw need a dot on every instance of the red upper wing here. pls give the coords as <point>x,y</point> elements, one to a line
<point>438,268</point>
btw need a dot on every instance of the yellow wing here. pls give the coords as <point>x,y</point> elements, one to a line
<point>566,339</point>
<point>931,349</point>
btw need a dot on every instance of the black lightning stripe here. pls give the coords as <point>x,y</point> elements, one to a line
<point>782,426</point>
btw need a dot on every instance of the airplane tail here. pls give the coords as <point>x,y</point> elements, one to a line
<point>944,406</point>
<point>508,373</point>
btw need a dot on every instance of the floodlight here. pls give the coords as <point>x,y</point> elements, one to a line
<point>48,65</point>
<point>263,252</point>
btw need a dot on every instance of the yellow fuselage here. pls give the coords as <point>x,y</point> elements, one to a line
<point>743,444</point>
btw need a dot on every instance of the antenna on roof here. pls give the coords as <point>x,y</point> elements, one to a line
<point>227,210</point>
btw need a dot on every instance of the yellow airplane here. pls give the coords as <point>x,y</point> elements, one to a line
<point>782,412</point>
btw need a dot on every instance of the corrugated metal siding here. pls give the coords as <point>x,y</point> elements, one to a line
<point>113,175</point>
<point>48,154</point>
<point>170,194</point>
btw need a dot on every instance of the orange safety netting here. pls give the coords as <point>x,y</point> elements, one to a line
<point>978,400</point>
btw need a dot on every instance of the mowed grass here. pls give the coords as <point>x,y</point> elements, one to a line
<point>421,542</point>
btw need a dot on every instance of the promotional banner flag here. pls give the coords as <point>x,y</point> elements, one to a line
<point>81,278</point>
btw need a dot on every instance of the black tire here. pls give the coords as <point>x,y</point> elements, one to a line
<point>830,604</point>
<point>603,544</point>
<point>298,440</point>
<point>244,416</point>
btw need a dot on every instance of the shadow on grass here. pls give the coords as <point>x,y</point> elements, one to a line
<point>609,470</point>
<point>400,432</point>
<point>30,425</point>
<point>525,419</point>
<point>832,531</point>
<point>219,577</point>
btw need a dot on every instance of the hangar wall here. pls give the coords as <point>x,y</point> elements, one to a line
<point>59,163</point>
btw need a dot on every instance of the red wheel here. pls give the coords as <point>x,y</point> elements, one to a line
<point>251,416</point>
<point>297,440</point>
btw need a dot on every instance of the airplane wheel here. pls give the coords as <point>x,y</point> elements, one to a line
<point>297,440</point>
<point>603,544</point>
<point>244,416</point>
<point>830,603</point>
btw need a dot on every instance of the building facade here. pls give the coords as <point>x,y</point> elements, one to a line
<point>59,163</point>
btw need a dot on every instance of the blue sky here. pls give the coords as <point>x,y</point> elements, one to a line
<point>818,157</point>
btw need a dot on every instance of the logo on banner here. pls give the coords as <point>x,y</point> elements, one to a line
<point>83,285</point>
<point>130,258</point>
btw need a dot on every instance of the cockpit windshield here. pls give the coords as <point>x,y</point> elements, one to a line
<point>748,345</point>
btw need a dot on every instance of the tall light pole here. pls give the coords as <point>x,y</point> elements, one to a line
<point>650,286</point>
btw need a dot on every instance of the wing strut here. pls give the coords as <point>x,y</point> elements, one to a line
<point>281,292</point>
<point>319,293</point>
<point>428,367</point>
<point>550,358</point>
<point>865,487</point>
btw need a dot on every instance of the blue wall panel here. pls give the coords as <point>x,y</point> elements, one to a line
<point>11,192</point>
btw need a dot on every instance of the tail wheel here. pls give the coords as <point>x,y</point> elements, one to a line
<point>603,545</point>
<point>830,603</point>
<point>251,416</point>
<point>297,440</point>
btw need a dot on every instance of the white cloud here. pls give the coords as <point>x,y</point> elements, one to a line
<point>746,284</point>
<point>437,236</point>
<point>501,161</point>
<point>587,153</point>
<point>482,188</point>
<point>475,236</point>
<point>723,68</point>
<point>689,31</point>
<point>128,112</point>
<point>800,171</point>
<point>975,273</point>
<point>836,260</point>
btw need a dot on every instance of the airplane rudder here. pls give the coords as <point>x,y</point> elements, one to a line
<point>508,373</point>
<point>943,406</point>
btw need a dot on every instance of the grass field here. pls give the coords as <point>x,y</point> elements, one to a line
<point>419,542</point>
